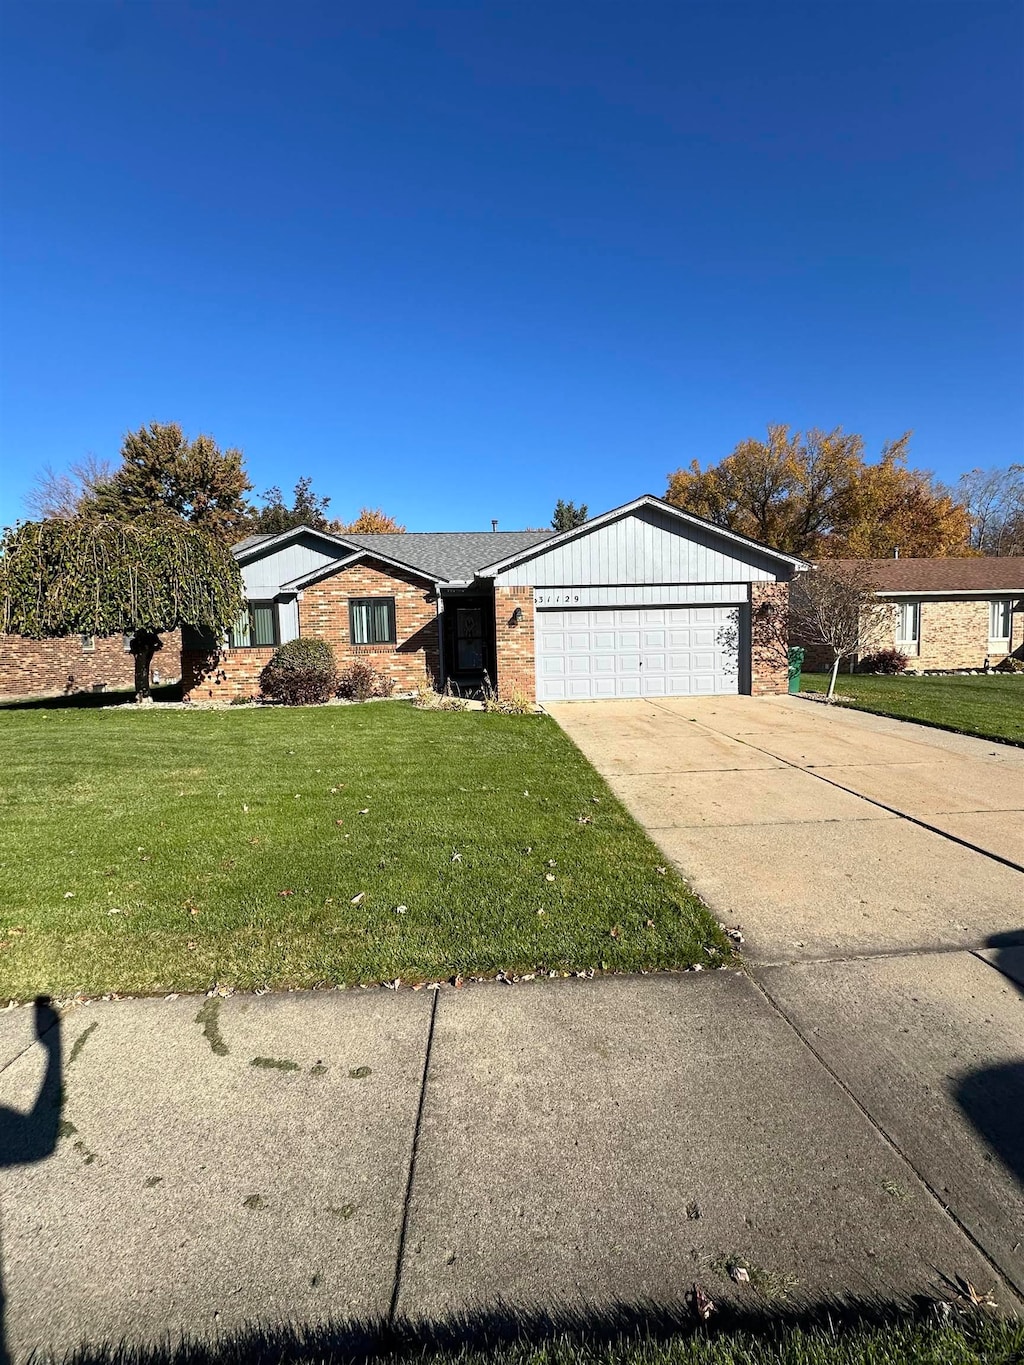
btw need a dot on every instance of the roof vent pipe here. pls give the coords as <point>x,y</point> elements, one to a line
<point>494,523</point>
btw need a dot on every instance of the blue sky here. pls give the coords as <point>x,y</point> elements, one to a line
<point>462,260</point>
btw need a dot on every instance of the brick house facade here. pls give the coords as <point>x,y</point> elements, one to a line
<point>53,668</point>
<point>944,612</point>
<point>323,613</point>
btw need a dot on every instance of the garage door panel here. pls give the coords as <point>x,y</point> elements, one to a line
<point>637,652</point>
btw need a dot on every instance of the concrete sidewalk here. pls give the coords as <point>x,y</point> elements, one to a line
<point>307,1157</point>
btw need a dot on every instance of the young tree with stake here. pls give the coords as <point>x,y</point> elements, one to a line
<point>85,577</point>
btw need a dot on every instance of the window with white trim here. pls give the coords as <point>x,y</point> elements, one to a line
<point>999,618</point>
<point>908,627</point>
<point>88,644</point>
<point>257,626</point>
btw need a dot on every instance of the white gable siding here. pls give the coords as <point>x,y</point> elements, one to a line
<point>645,546</point>
<point>263,577</point>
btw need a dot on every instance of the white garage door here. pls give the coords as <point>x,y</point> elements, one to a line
<point>637,652</point>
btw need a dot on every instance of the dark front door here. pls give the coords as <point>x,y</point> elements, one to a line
<point>469,640</point>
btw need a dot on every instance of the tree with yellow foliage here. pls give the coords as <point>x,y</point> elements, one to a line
<point>815,494</point>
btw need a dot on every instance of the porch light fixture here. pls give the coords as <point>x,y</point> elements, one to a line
<point>517,617</point>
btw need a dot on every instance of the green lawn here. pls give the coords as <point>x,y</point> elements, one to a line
<point>962,1340</point>
<point>150,851</point>
<point>992,707</point>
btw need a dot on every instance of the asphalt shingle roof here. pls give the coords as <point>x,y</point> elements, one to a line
<point>981,574</point>
<point>449,554</point>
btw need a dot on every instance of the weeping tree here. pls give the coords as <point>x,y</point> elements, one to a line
<point>83,577</point>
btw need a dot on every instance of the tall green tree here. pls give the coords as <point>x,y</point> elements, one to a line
<point>307,509</point>
<point>164,473</point>
<point>567,516</point>
<point>84,576</point>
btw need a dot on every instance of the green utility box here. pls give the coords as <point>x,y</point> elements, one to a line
<point>796,663</point>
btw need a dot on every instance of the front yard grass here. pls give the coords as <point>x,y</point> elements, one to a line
<point>991,706</point>
<point>154,851</point>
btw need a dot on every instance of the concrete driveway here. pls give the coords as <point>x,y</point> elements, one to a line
<point>825,832</point>
<point>876,869</point>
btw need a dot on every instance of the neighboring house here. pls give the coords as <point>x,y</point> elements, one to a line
<point>78,663</point>
<point>644,601</point>
<point>950,613</point>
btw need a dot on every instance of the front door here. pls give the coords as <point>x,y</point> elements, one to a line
<point>469,639</point>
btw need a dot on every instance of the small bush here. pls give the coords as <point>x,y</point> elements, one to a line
<point>1010,665</point>
<point>513,703</point>
<point>360,682</point>
<point>884,661</point>
<point>301,673</point>
<point>429,699</point>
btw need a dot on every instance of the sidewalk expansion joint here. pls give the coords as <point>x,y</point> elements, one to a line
<point>407,1203</point>
<point>1004,1275</point>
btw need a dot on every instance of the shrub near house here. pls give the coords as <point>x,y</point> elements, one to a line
<point>301,673</point>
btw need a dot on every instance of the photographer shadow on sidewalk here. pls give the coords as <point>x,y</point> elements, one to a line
<point>32,1136</point>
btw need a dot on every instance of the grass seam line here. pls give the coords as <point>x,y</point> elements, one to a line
<point>1004,1275</point>
<point>407,1203</point>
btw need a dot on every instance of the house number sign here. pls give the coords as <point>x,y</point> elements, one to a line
<point>556,599</point>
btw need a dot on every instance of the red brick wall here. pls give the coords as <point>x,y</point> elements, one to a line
<point>517,670</point>
<point>769,630</point>
<point>40,668</point>
<point>323,614</point>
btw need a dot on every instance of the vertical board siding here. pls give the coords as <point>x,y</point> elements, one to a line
<point>645,546</point>
<point>263,577</point>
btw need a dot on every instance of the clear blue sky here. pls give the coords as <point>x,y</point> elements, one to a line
<point>462,260</point>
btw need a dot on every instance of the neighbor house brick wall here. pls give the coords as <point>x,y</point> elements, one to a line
<point>517,671</point>
<point>41,668</point>
<point>954,634</point>
<point>769,653</point>
<point>324,614</point>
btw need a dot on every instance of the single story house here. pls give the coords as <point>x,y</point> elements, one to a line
<point>949,614</point>
<point>643,601</point>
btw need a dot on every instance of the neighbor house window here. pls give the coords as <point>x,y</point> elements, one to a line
<point>908,627</point>
<point>88,644</point>
<point>372,620</point>
<point>256,626</point>
<point>126,643</point>
<point>999,620</point>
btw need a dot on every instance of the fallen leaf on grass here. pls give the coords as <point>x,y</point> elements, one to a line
<point>549,877</point>
<point>401,909</point>
<point>357,898</point>
<point>339,822</point>
<point>661,871</point>
<point>286,893</point>
<point>615,931</point>
<point>456,856</point>
<point>365,811</point>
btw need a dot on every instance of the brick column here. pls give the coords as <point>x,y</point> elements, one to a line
<point>769,636</point>
<point>515,643</point>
